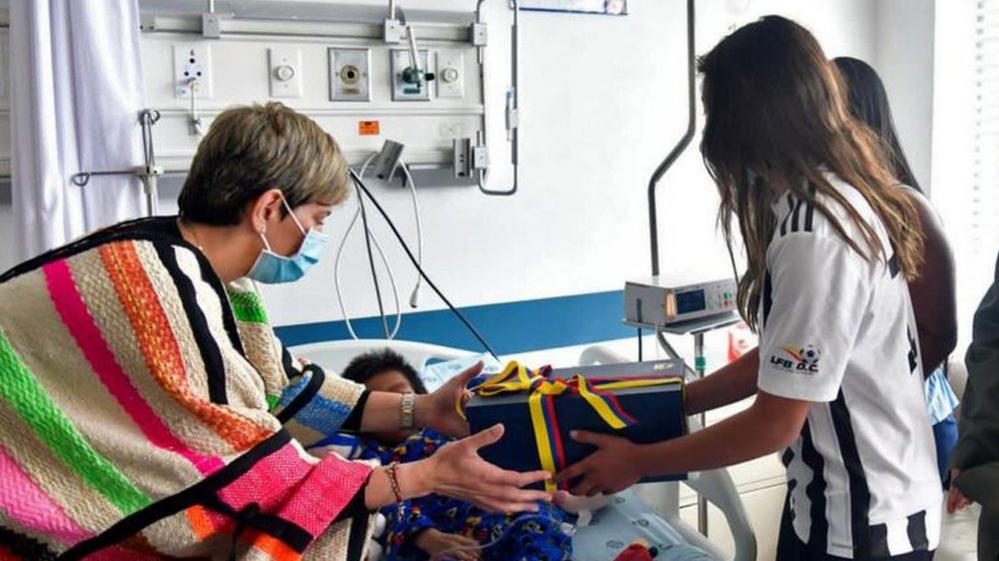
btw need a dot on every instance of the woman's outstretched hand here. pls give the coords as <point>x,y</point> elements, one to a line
<point>439,410</point>
<point>457,471</point>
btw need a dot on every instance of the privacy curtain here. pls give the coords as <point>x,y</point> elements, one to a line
<point>76,90</point>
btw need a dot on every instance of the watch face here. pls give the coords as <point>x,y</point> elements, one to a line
<point>408,401</point>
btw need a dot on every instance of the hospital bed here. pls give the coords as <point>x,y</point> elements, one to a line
<point>647,511</point>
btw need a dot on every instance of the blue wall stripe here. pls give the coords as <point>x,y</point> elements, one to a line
<point>510,327</point>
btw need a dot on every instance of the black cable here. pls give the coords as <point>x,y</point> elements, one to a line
<point>639,344</point>
<point>471,328</point>
<point>371,261</point>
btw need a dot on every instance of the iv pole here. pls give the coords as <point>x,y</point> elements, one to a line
<point>680,146</point>
<point>148,173</point>
<point>657,175</point>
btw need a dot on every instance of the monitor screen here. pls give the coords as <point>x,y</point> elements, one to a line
<point>687,302</point>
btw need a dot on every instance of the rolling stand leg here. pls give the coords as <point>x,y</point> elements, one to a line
<point>700,366</point>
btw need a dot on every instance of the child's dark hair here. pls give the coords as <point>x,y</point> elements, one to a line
<point>369,365</point>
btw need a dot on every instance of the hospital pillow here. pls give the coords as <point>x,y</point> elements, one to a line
<point>435,374</point>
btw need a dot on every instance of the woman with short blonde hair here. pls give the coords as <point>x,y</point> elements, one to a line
<point>147,409</point>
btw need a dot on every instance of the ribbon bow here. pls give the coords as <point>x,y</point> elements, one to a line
<point>597,392</point>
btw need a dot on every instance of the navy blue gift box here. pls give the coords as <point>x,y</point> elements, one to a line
<point>658,412</point>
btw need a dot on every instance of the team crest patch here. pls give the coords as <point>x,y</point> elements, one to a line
<point>803,360</point>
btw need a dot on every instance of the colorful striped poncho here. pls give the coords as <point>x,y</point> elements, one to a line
<point>144,414</point>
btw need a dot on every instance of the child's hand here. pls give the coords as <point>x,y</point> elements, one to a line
<point>955,498</point>
<point>440,546</point>
<point>439,410</point>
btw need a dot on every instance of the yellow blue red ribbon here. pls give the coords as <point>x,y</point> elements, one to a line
<point>597,392</point>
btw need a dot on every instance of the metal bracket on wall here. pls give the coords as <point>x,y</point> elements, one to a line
<point>211,26</point>
<point>512,101</point>
<point>211,22</point>
<point>479,34</point>
<point>147,173</point>
<point>147,22</point>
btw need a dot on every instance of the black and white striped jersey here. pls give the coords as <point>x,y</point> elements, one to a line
<point>838,330</point>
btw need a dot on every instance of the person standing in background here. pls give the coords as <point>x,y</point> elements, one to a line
<point>933,293</point>
<point>975,464</point>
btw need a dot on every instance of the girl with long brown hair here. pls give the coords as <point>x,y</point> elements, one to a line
<point>831,239</point>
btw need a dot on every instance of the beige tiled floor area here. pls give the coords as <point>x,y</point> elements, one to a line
<point>959,535</point>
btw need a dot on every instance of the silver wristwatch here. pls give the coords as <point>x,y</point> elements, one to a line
<point>408,410</point>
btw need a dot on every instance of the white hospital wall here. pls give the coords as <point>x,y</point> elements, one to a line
<point>925,54</point>
<point>904,58</point>
<point>602,100</point>
<point>954,156</point>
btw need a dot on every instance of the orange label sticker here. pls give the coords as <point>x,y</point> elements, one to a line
<point>367,128</point>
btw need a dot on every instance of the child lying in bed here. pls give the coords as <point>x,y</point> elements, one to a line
<point>434,526</point>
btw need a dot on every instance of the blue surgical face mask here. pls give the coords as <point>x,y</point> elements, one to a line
<point>272,268</point>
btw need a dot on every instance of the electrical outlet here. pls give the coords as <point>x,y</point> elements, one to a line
<point>192,66</point>
<point>462,153</point>
<point>405,85</point>
<point>349,74</point>
<point>450,74</point>
<point>285,71</point>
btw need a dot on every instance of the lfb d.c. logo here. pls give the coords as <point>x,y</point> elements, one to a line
<point>798,359</point>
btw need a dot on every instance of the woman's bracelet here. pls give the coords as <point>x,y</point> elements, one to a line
<point>393,477</point>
